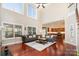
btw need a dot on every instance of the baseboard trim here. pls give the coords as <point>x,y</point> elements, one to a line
<point>70,43</point>
<point>11,43</point>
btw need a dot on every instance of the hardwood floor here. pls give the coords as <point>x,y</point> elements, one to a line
<point>70,50</point>
<point>24,50</point>
<point>58,49</point>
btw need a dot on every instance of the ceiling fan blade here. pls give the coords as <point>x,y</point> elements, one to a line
<point>43,6</point>
<point>38,6</point>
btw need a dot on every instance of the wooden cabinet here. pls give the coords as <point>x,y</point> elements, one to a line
<point>56,29</point>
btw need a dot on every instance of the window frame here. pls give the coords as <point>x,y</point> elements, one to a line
<point>31,30</point>
<point>5,26</point>
<point>3,31</point>
<point>35,9</point>
<point>17,29</point>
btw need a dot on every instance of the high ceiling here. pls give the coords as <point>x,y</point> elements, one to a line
<point>56,24</point>
<point>54,12</point>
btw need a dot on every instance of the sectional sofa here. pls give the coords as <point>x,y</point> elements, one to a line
<point>31,38</point>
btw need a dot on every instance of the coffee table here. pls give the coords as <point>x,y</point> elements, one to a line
<point>41,41</point>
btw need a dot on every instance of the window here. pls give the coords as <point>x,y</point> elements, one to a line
<point>32,12</point>
<point>17,7</point>
<point>31,30</point>
<point>34,30</point>
<point>18,30</point>
<point>12,30</point>
<point>8,30</point>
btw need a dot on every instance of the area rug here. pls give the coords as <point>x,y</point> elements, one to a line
<point>39,46</point>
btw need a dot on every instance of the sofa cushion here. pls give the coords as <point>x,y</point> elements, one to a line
<point>43,35</point>
<point>49,39</point>
<point>34,36</point>
<point>52,36</point>
<point>47,36</point>
<point>30,36</point>
<point>39,37</point>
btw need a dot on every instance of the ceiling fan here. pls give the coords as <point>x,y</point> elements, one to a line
<point>40,5</point>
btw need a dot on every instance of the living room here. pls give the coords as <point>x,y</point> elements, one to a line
<point>33,29</point>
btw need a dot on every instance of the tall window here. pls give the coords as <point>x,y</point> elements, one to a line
<point>32,12</point>
<point>17,7</point>
<point>8,30</point>
<point>12,30</point>
<point>18,30</point>
<point>31,30</point>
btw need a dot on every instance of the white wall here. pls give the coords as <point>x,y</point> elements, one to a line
<point>0,26</point>
<point>70,26</point>
<point>39,21</point>
<point>51,13</point>
<point>78,31</point>
<point>54,12</point>
<point>0,15</point>
<point>59,11</point>
<point>15,18</point>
